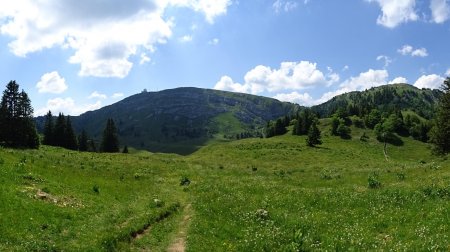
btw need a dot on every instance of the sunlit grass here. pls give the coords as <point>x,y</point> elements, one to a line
<point>272,194</point>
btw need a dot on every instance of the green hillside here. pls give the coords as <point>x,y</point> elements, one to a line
<point>271,194</point>
<point>183,119</point>
<point>385,98</point>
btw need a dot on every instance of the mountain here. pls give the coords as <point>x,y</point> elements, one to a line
<point>183,119</point>
<point>385,98</point>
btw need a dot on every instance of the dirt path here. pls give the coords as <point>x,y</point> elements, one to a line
<point>178,244</point>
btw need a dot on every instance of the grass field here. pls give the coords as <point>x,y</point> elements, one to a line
<point>250,195</point>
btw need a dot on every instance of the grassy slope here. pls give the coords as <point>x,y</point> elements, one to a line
<point>248,195</point>
<point>320,194</point>
<point>73,216</point>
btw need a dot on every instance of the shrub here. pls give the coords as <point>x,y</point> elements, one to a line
<point>374,181</point>
<point>358,122</point>
<point>262,214</point>
<point>184,181</point>
<point>344,131</point>
<point>96,189</point>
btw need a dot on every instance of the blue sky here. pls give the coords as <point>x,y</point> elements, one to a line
<point>72,56</point>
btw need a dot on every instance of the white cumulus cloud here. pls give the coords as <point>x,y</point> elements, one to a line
<point>371,78</point>
<point>365,80</point>
<point>396,12</point>
<point>52,83</point>
<point>210,8</point>
<point>227,84</point>
<point>398,80</point>
<point>432,81</point>
<point>295,97</point>
<point>97,95</point>
<point>67,106</point>
<point>415,52</point>
<point>290,76</point>
<point>440,10</point>
<point>104,35</point>
<point>144,59</point>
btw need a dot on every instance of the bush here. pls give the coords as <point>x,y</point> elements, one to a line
<point>344,131</point>
<point>184,181</point>
<point>374,181</point>
<point>358,122</point>
<point>96,189</point>
<point>262,214</point>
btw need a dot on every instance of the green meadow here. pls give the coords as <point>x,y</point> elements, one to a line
<point>272,194</point>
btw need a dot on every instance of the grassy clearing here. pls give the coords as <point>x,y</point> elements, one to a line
<point>249,195</point>
<point>278,194</point>
<point>53,199</point>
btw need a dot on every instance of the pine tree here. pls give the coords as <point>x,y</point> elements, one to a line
<point>83,141</point>
<point>125,149</point>
<point>60,131</point>
<point>280,129</point>
<point>48,129</point>
<point>440,134</point>
<point>16,119</point>
<point>343,130</point>
<point>334,125</point>
<point>313,138</point>
<point>110,142</point>
<point>70,140</point>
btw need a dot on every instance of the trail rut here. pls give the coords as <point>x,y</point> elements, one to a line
<point>178,244</point>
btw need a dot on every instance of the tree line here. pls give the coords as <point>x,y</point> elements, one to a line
<point>18,129</point>
<point>387,124</point>
<point>61,134</point>
<point>304,123</point>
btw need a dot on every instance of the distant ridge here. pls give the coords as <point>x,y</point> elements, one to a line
<point>393,96</point>
<point>181,120</point>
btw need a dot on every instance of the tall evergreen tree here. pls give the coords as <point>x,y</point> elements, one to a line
<point>69,136</point>
<point>304,122</point>
<point>334,125</point>
<point>110,142</point>
<point>83,141</point>
<point>314,136</point>
<point>60,131</point>
<point>440,134</point>
<point>280,128</point>
<point>16,118</point>
<point>48,129</point>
